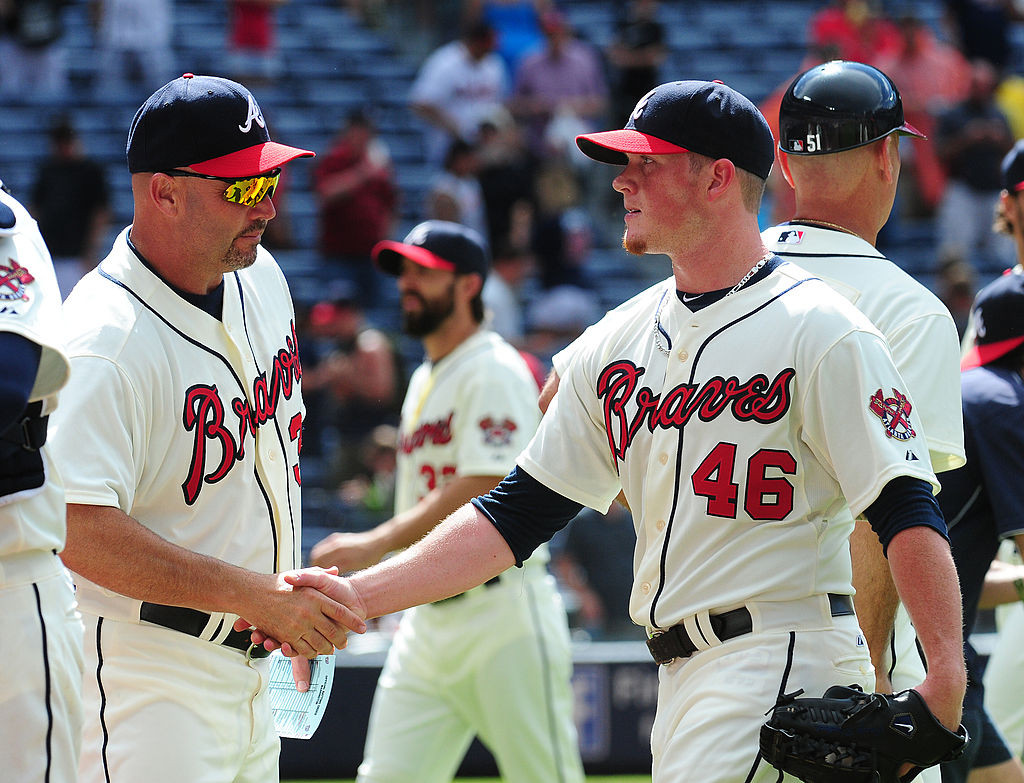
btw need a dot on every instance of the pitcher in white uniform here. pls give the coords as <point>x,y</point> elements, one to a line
<point>740,406</point>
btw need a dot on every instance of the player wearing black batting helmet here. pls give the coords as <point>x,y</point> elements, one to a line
<point>839,128</point>
<point>838,106</point>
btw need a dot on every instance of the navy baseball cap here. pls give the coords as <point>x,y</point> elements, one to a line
<point>436,244</point>
<point>208,123</point>
<point>998,319</point>
<point>1012,168</point>
<point>708,118</point>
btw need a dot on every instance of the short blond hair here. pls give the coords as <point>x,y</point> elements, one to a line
<point>752,187</point>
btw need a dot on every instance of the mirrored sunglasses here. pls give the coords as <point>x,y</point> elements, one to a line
<point>247,191</point>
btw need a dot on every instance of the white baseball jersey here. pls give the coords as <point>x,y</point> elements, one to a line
<point>466,90</point>
<point>470,414</point>
<point>40,687</point>
<point>919,329</point>
<point>494,661</point>
<point>193,427</point>
<point>193,423</point>
<point>736,432</point>
<point>30,307</point>
<point>925,347</point>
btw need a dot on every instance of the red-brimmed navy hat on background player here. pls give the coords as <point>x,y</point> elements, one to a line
<point>209,124</point>
<point>436,244</point>
<point>1012,169</point>
<point>998,316</point>
<point>708,118</point>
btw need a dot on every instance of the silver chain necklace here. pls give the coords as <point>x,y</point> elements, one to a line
<point>660,335</point>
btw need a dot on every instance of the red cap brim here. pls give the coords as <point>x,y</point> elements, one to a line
<point>910,130</point>
<point>612,146</point>
<point>252,160</point>
<point>389,254</point>
<point>983,354</point>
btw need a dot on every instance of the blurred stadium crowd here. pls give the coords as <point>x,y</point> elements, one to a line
<point>466,111</point>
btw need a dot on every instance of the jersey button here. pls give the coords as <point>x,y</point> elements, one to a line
<point>660,524</point>
<point>683,356</point>
<point>663,458</point>
<point>645,588</point>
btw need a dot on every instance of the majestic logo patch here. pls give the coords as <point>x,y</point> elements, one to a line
<point>497,433</point>
<point>13,280</point>
<point>791,237</point>
<point>254,115</point>
<point>629,406</point>
<point>894,412</point>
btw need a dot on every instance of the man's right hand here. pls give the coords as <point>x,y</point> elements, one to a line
<point>299,617</point>
<point>348,551</point>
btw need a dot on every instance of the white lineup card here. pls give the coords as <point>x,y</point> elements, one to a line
<point>297,715</point>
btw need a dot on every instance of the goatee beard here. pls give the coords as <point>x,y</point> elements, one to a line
<point>636,247</point>
<point>236,259</point>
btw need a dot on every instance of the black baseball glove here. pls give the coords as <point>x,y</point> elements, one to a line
<point>848,736</point>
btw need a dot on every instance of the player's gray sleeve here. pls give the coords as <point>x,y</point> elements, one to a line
<point>525,512</point>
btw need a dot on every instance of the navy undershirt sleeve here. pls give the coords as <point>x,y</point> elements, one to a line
<point>21,362</point>
<point>903,503</point>
<point>525,512</point>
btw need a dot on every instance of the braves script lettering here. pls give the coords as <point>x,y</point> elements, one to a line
<point>203,414</point>
<point>438,432</point>
<point>627,407</point>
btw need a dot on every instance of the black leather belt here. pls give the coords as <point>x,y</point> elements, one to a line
<point>675,642</point>
<point>193,622</point>
<point>492,581</point>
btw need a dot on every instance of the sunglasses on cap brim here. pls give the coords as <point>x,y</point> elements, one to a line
<point>247,191</point>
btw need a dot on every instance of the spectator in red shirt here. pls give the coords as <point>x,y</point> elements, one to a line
<point>855,29</point>
<point>252,40</point>
<point>932,76</point>
<point>355,184</point>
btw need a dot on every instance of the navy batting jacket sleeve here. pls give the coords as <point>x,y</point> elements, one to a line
<point>21,362</point>
<point>903,503</point>
<point>525,512</point>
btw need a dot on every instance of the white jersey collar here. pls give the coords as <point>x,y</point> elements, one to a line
<point>804,239</point>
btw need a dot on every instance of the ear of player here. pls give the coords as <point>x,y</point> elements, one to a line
<point>838,106</point>
<point>852,736</point>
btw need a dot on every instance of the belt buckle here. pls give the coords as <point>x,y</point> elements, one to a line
<point>652,643</point>
<point>664,637</point>
<point>256,651</point>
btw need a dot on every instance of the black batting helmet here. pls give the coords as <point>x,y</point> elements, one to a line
<point>837,106</point>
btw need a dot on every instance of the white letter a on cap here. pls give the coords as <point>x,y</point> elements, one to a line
<point>254,114</point>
